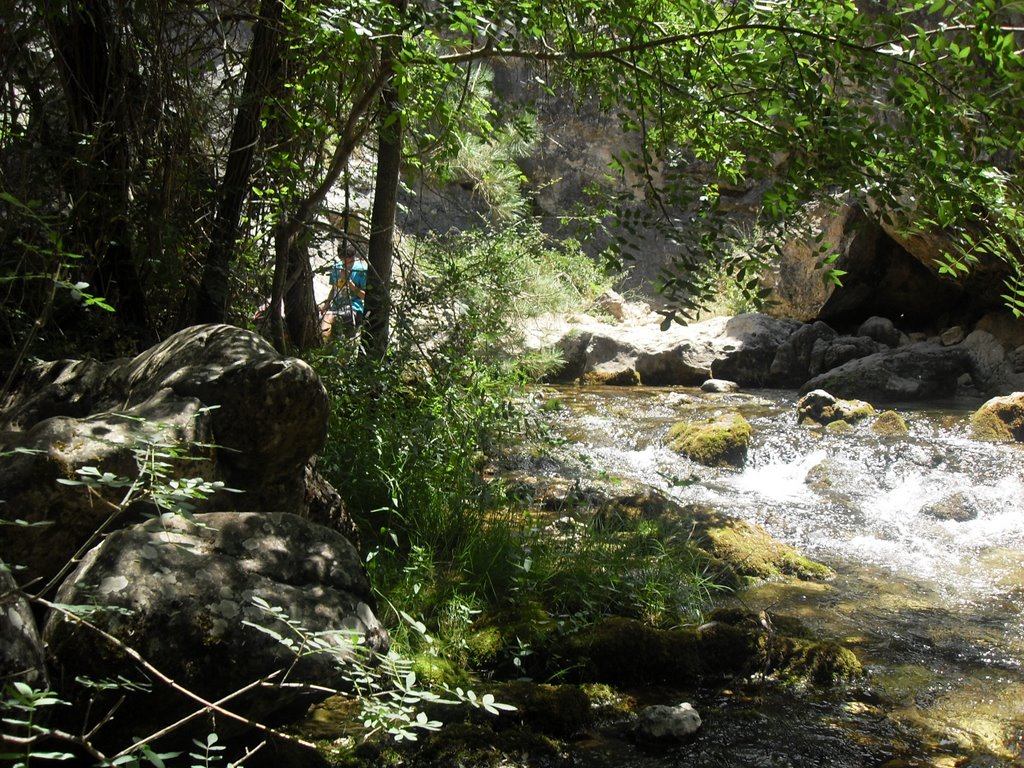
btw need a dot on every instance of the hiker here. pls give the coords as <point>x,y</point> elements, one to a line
<point>348,292</point>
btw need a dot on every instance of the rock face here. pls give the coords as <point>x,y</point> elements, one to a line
<point>21,649</point>
<point>212,401</point>
<point>182,594</point>
<point>660,722</point>
<point>1000,419</point>
<point>888,272</point>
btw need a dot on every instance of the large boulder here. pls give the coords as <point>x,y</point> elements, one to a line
<point>739,348</point>
<point>791,365</point>
<point>913,372</point>
<point>212,402</point>
<point>185,593</point>
<point>746,350</point>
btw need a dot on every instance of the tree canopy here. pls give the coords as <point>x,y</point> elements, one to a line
<point>172,161</point>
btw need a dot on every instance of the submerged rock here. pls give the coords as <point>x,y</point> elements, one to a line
<point>960,507</point>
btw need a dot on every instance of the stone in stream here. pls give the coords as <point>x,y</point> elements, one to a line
<point>719,386</point>
<point>1001,419</point>
<point>661,722</point>
<point>820,407</point>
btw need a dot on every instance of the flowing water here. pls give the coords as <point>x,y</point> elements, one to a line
<point>933,607</point>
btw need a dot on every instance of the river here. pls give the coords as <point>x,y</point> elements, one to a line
<point>933,607</point>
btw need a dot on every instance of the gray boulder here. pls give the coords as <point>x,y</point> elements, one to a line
<point>882,330</point>
<point>660,722</point>
<point>213,401</point>
<point>791,365</point>
<point>914,372</point>
<point>827,354</point>
<point>184,594</point>
<point>744,353</point>
<point>719,386</point>
<point>992,370</point>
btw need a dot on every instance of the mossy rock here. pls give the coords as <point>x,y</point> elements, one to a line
<point>839,427</point>
<point>721,441</point>
<point>496,637</point>
<point>621,650</point>
<point>822,408</point>
<point>434,671</point>
<point>745,552</point>
<point>554,710</point>
<point>628,652</point>
<point>890,424</point>
<point>625,377</point>
<point>1001,419</point>
<point>626,510</point>
<point>822,662</point>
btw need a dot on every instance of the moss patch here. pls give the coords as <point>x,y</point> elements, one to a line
<point>735,642</point>
<point>716,442</point>
<point>744,552</point>
<point>890,424</point>
<point>626,377</point>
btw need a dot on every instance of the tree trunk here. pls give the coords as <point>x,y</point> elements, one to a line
<point>385,203</point>
<point>214,293</point>
<point>97,78</point>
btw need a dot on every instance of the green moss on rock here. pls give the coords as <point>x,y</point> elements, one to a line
<point>626,377</point>
<point>890,424</point>
<point>719,441</point>
<point>746,552</point>
<point>1001,419</point>
<point>823,663</point>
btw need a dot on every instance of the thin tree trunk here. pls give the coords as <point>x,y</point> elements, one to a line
<point>385,203</point>
<point>214,293</point>
<point>293,282</point>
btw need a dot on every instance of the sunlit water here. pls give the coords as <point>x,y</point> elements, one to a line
<point>934,607</point>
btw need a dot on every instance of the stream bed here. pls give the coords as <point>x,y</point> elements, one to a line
<point>926,535</point>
